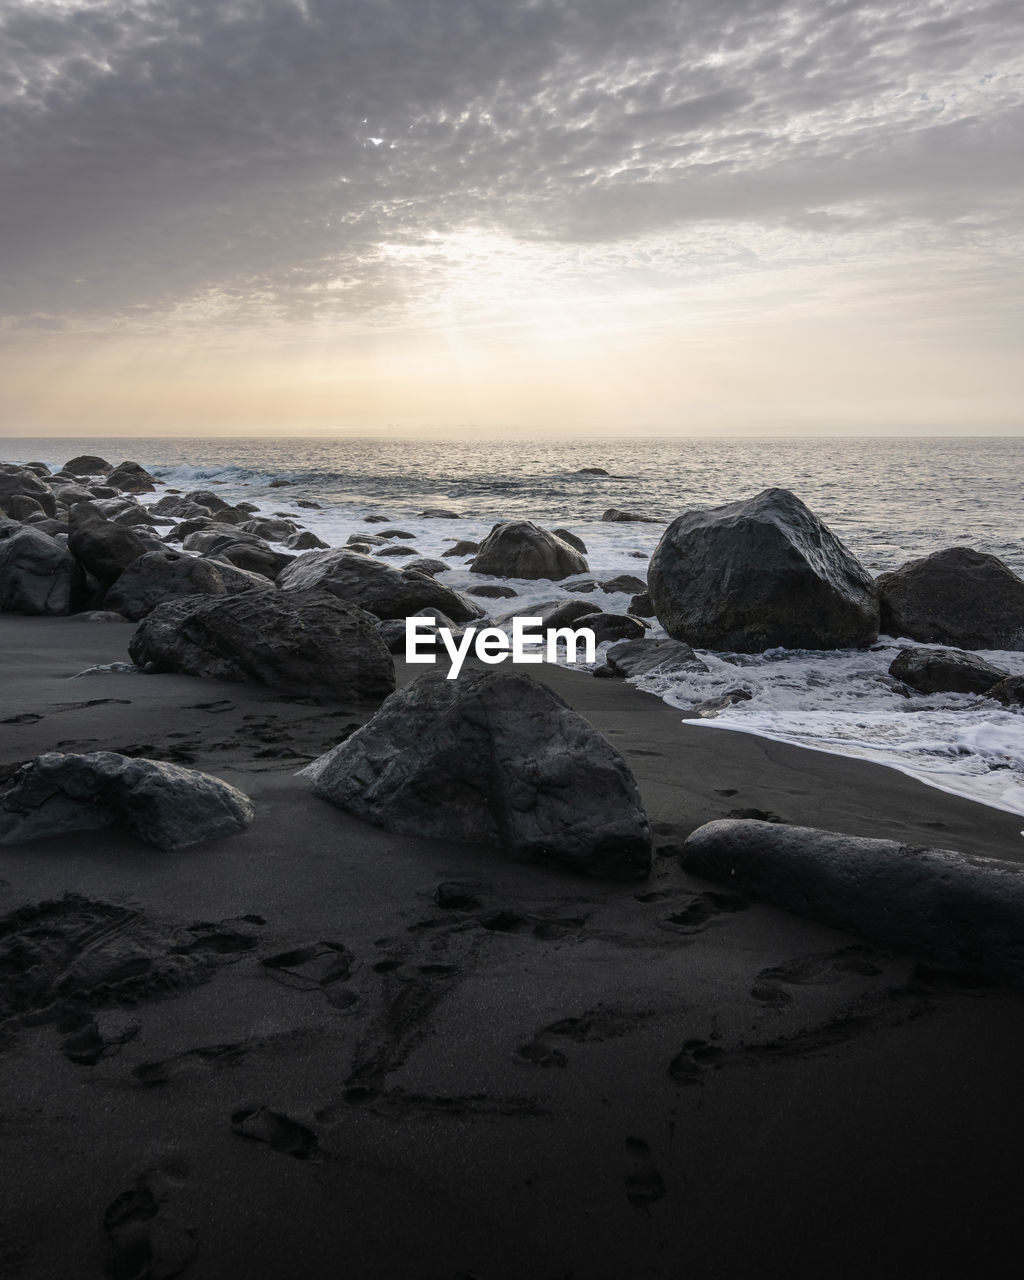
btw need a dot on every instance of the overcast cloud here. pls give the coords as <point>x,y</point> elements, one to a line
<point>253,162</point>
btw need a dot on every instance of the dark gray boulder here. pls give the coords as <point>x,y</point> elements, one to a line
<point>304,540</point>
<point>375,586</point>
<point>491,591</point>
<point>760,574</point>
<point>957,596</point>
<point>131,477</point>
<point>710,707</point>
<point>624,582</point>
<point>296,642</point>
<point>591,471</point>
<point>521,549</point>
<point>236,580</point>
<point>87,464</point>
<point>37,574</point>
<point>553,613</point>
<point>652,657</point>
<point>106,549</point>
<point>1010,692</point>
<point>162,804</point>
<point>425,565</point>
<point>19,480</point>
<point>396,552</point>
<point>612,626</point>
<point>270,530</point>
<point>366,540</point>
<point>463,548</point>
<point>641,605</point>
<point>208,499</point>
<point>961,912</point>
<point>439,513</point>
<point>254,559</point>
<point>209,537</point>
<point>945,671</point>
<point>19,506</point>
<point>492,758</point>
<point>397,533</point>
<point>573,539</point>
<point>158,576</point>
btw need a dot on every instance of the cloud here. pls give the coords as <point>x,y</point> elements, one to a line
<point>265,162</point>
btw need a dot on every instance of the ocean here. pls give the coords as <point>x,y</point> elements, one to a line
<point>890,500</point>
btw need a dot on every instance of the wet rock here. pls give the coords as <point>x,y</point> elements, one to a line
<point>1010,692</point>
<point>625,582</point>
<point>710,707</point>
<point>463,548</point>
<point>961,912</point>
<point>130,477</point>
<point>426,565</point>
<point>162,804</point>
<point>296,642</point>
<point>104,548</point>
<point>38,575</point>
<point>758,574</point>
<point>304,541</point>
<point>497,759</point>
<point>573,539</point>
<point>439,513</point>
<point>88,464</point>
<point>644,657</point>
<point>491,591</point>
<point>591,471</point>
<point>158,576</point>
<point>521,549</point>
<point>20,507</point>
<point>375,586</point>
<point>958,597</point>
<point>554,613</point>
<point>612,626</point>
<point>396,551</point>
<point>20,481</point>
<point>945,671</point>
<point>641,606</point>
<point>614,516</point>
<point>270,530</point>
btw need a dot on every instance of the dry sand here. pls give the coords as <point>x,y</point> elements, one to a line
<point>295,1063</point>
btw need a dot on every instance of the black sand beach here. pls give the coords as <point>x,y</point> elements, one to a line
<point>301,1056</point>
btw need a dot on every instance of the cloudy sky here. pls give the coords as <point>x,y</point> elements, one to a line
<point>594,216</point>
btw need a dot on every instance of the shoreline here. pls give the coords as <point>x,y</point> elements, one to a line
<point>548,1076</point>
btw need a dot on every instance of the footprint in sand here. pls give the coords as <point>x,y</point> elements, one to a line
<point>694,1060</point>
<point>146,1241</point>
<point>277,1131</point>
<point>820,969</point>
<point>702,909</point>
<point>591,1027</point>
<point>644,1183</point>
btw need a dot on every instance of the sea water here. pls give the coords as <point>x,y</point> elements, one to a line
<point>890,500</point>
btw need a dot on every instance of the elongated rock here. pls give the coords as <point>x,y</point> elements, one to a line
<point>953,909</point>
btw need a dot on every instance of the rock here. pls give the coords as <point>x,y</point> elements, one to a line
<point>130,477</point>
<point>425,565</point>
<point>958,597</point>
<point>491,591</point>
<point>1010,692</point>
<point>758,574</point>
<point>396,551</point>
<point>279,484</point>
<point>573,539</point>
<point>463,548</point>
<point>209,538</point>
<point>19,506</point>
<point>439,513</point>
<point>395,533</point>
<point>554,613</point>
<point>945,671</point>
<point>377,519</point>
<point>644,657</point>
<point>101,615</point>
<point>297,642</point>
<point>710,707</point>
<point>961,912</point>
<point>213,502</point>
<point>158,576</point>
<point>492,758</point>
<point>20,481</point>
<point>520,549</point>
<point>270,530</point>
<point>625,582</point>
<point>363,548</point>
<point>40,468</point>
<point>163,804</point>
<point>366,540</point>
<point>104,548</point>
<point>614,516</point>
<point>640,606</point>
<point>37,574</point>
<point>375,586</point>
<point>304,541</point>
<point>611,626</point>
<point>88,464</point>
<point>591,471</point>
<point>308,503</point>
<point>180,508</point>
<point>236,580</point>
<point>255,559</point>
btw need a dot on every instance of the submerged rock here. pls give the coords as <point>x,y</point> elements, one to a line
<point>163,804</point>
<point>521,549</point>
<point>759,574</point>
<point>297,642</point>
<point>492,758</point>
<point>945,671</point>
<point>614,516</point>
<point>957,911</point>
<point>957,596</point>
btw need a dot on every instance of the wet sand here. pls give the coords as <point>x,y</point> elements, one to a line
<point>293,1053</point>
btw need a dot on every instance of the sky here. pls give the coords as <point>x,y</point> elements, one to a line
<point>476,216</point>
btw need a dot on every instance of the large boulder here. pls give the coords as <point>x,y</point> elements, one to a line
<point>374,586</point>
<point>957,911</point>
<point>520,549</point>
<point>106,549</point>
<point>163,804</point>
<point>957,596</point>
<point>87,464</point>
<point>37,574</point>
<point>158,576</point>
<point>21,481</point>
<point>131,477</point>
<point>652,657</point>
<point>492,758</point>
<point>295,642</point>
<point>945,671</point>
<point>758,574</point>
